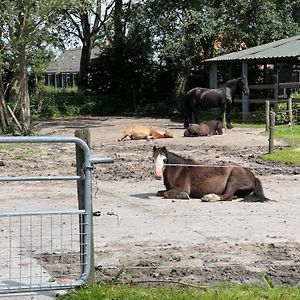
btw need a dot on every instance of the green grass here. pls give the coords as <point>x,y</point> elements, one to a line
<point>227,292</point>
<point>290,134</point>
<point>250,125</point>
<point>290,155</point>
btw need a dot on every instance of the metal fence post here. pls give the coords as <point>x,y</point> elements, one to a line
<point>84,134</point>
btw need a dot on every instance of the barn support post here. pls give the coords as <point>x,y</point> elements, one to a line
<point>213,76</point>
<point>84,134</point>
<point>271,132</point>
<point>245,98</point>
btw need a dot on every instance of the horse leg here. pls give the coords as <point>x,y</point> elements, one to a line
<point>238,180</point>
<point>195,114</point>
<point>180,191</point>
<point>228,117</point>
<point>161,193</point>
<point>188,114</point>
<point>176,194</point>
<point>222,114</point>
<point>227,196</point>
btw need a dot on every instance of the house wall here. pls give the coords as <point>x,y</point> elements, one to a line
<point>61,80</point>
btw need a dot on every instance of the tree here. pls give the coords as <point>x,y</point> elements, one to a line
<point>183,33</point>
<point>24,27</point>
<point>169,39</point>
<point>85,21</point>
<point>251,23</point>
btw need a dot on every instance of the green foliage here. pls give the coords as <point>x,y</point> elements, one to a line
<point>53,102</point>
<point>153,109</point>
<point>226,292</point>
<point>167,40</point>
<point>163,45</point>
<point>256,22</point>
<point>282,115</point>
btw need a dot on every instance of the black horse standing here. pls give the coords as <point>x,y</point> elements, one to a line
<point>202,98</point>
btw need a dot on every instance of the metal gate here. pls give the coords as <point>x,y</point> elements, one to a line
<point>48,250</point>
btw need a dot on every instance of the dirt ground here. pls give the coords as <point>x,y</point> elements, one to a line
<point>169,240</point>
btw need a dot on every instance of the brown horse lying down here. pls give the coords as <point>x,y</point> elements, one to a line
<point>210,183</point>
<point>139,132</point>
<point>205,129</point>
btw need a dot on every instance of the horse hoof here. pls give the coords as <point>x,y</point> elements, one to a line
<point>160,193</point>
<point>210,198</point>
<point>229,126</point>
<point>182,195</point>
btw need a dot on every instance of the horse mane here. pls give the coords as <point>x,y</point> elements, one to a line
<point>232,82</point>
<point>174,158</point>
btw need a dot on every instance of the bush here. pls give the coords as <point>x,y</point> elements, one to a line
<point>153,109</point>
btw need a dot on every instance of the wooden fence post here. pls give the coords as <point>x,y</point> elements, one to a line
<point>290,105</point>
<point>83,134</point>
<point>271,132</point>
<point>267,114</point>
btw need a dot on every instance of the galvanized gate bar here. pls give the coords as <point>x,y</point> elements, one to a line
<point>40,213</point>
<point>86,177</point>
<point>38,178</point>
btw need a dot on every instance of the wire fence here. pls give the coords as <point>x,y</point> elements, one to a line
<point>40,250</point>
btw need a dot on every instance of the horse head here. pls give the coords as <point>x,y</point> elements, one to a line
<point>159,159</point>
<point>168,134</point>
<point>243,85</point>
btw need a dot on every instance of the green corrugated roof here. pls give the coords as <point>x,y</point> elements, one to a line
<point>282,49</point>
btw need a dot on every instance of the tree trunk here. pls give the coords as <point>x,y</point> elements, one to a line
<point>5,118</point>
<point>177,104</point>
<point>24,92</point>
<point>85,52</point>
<point>118,26</point>
<point>118,46</point>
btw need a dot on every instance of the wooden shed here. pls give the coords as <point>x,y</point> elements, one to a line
<point>283,54</point>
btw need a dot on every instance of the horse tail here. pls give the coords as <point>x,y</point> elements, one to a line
<point>187,111</point>
<point>258,193</point>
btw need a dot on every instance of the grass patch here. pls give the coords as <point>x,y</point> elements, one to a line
<point>250,125</point>
<point>290,134</point>
<point>226,292</point>
<point>290,155</point>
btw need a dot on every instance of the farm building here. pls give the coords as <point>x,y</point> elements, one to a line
<point>282,57</point>
<point>64,69</point>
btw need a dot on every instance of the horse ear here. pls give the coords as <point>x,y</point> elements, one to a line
<point>164,149</point>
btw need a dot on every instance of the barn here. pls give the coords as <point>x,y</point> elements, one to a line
<point>281,58</point>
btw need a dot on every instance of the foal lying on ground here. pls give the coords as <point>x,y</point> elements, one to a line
<point>140,132</point>
<point>204,129</point>
<point>185,178</point>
